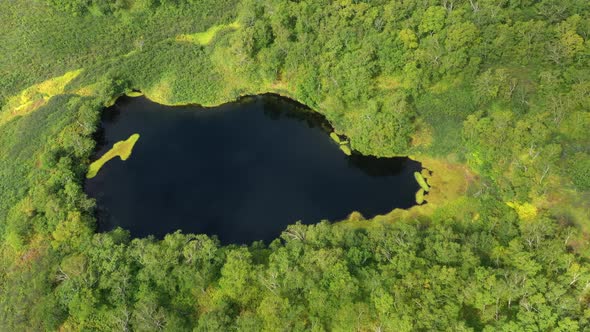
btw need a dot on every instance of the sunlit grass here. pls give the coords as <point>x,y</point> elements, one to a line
<point>421,181</point>
<point>36,96</point>
<point>335,137</point>
<point>449,181</point>
<point>420,196</point>
<point>205,37</point>
<point>344,145</point>
<point>161,92</point>
<point>121,149</point>
<point>346,149</point>
<point>134,94</point>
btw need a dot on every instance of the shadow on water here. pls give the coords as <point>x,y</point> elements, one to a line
<point>242,171</point>
<point>375,166</point>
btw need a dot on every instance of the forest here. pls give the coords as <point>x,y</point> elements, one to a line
<point>492,95</point>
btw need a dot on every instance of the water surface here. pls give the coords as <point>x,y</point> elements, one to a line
<point>242,171</point>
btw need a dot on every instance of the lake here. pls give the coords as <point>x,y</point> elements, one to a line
<point>242,171</point>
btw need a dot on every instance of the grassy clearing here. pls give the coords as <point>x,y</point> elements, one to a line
<point>121,149</point>
<point>569,205</point>
<point>36,96</point>
<point>160,92</point>
<point>87,91</point>
<point>204,38</point>
<point>449,183</point>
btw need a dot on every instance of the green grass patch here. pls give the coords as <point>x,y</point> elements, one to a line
<point>420,196</point>
<point>344,145</point>
<point>121,149</point>
<point>346,149</point>
<point>335,137</point>
<point>205,37</point>
<point>134,94</point>
<point>36,96</point>
<point>421,181</point>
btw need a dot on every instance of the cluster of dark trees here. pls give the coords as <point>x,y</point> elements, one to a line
<point>501,86</point>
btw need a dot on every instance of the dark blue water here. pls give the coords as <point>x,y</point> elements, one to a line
<point>242,171</point>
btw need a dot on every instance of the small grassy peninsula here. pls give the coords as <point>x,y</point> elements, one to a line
<point>120,149</point>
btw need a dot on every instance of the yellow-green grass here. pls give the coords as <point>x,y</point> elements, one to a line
<point>346,149</point>
<point>420,196</point>
<point>161,92</point>
<point>35,96</point>
<point>122,149</point>
<point>335,137</point>
<point>525,211</point>
<point>421,181</point>
<point>205,37</point>
<point>88,90</point>
<point>134,94</point>
<point>450,182</point>
<point>388,82</point>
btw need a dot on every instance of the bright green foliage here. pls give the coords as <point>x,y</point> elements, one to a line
<point>120,149</point>
<point>421,181</point>
<point>346,149</point>
<point>204,38</point>
<point>408,37</point>
<point>420,196</point>
<point>335,137</point>
<point>318,274</point>
<point>499,86</point>
<point>433,20</point>
<point>134,94</point>
<point>461,35</point>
